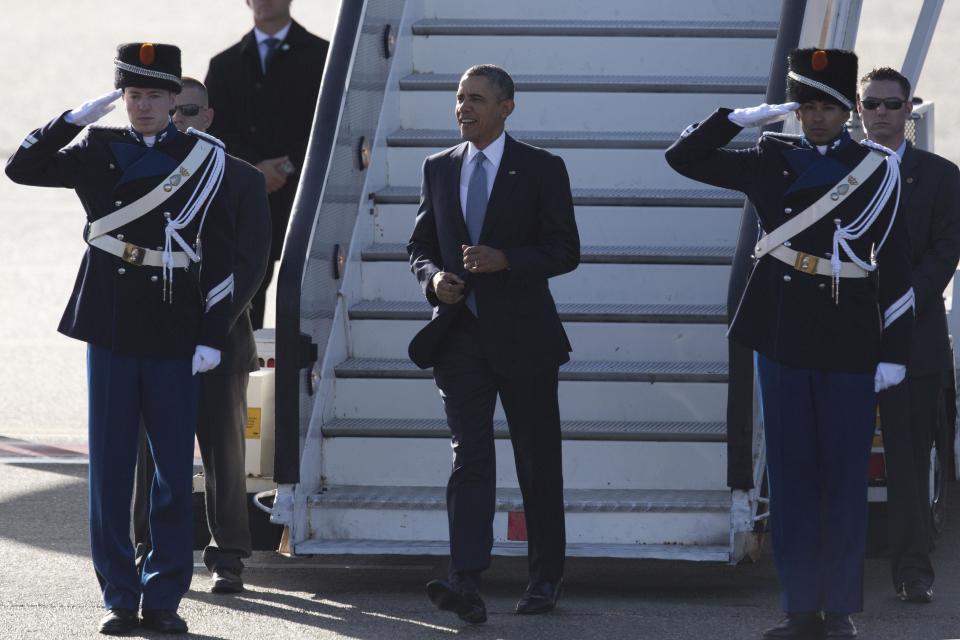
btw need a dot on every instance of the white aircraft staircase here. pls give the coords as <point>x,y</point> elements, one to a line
<point>607,85</point>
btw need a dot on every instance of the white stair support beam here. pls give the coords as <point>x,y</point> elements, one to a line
<point>726,10</point>
<point>920,41</point>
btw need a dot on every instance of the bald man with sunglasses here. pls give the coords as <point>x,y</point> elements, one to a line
<point>909,413</point>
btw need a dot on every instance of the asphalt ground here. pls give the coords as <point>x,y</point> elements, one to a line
<point>48,589</point>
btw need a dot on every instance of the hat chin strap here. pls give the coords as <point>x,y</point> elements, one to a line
<point>827,89</point>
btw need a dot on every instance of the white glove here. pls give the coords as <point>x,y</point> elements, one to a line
<point>888,375</point>
<point>92,110</point>
<point>204,359</point>
<point>762,115</point>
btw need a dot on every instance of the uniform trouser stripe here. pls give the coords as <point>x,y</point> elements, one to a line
<point>818,427</point>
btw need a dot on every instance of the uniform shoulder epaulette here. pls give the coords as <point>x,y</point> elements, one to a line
<point>206,136</point>
<point>870,144</point>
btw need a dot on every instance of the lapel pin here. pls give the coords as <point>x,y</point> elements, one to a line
<point>511,173</point>
<point>910,180</point>
<point>285,47</point>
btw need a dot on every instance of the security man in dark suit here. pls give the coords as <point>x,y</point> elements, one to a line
<point>152,300</point>
<point>495,223</point>
<point>909,413</point>
<point>827,331</point>
<point>264,90</point>
<point>223,391</point>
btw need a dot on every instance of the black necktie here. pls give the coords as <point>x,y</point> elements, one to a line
<point>272,44</point>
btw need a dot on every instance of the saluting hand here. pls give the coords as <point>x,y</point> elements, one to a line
<point>483,259</point>
<point>763,114</point>
<point>448,287</point>
<point>92,110</point>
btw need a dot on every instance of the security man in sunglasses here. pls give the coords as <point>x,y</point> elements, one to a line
<point>152,301</point>
<point>910,413</point>
<point>828,332</point>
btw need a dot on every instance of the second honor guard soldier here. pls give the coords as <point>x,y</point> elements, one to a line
<point>152,300</point>
<point>828,332</point>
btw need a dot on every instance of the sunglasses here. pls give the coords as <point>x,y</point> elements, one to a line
<point>891,104</point>
<point>189,110</point>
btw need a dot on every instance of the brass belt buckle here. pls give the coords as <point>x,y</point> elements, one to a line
<point>133,254</point>
<point>806,262</point>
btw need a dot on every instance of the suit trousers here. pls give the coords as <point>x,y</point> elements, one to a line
<point>220,433</point>
<point>121,389</point>
<point>909,414</point>
<point>819,429</point>
<point>469,388</point>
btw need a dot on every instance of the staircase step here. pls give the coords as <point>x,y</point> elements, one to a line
<point>560,139</point>
<point>598,400</point>
<point>575,500</point>
<point>600,83</point>
<point>708,197</point>
<point>569,312</point>
<point>725,10</point>
<point>702,553</point>
<point>614,28</point>
<point>572,430</point>
<point>583,370</point>
<point>596,254</point>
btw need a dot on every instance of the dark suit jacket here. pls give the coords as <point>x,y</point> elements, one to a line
<point>530,218</point>
<point>247,203</point>
<point>930,202</point>
<point>261,117</point>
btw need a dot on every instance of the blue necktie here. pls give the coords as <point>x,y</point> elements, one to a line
<point>477,197</point>
<point>272,44</point>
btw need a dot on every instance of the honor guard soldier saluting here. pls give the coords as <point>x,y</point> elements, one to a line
<point>152,300</point>
<point>828,332</point>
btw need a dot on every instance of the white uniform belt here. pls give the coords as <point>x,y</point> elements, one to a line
<point>808,263</point>
<point>135,255</point>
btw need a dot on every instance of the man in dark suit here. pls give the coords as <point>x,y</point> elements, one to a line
<point>930,203</point>
<point>223,393</point>
<point>495,223</point>
<point>264,90</point>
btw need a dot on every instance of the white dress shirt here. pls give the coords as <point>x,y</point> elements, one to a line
<point>262,40</point>
<point>493,154</point>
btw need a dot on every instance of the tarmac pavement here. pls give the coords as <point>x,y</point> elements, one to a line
<point>48,589</point>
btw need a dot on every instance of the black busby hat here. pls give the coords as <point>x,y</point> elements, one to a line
<point>823,74</point>
<point>147,65</point>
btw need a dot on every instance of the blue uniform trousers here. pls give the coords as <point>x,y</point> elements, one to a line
<point>121,388</point>
<point>819,427</point>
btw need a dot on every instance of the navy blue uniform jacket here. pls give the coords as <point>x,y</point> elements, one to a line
<point>116,305</point>
<point>530,218</point>
<point>788,315</point>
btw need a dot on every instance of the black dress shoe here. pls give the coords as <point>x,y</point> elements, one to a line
<point>540,597</point>
<point>802,626</point>
<point>915,591</point>
<point>226,581</point>
<point>164,621</point>
<point>838,625</point>
<point>458,598</point>
<point>119,622</point>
